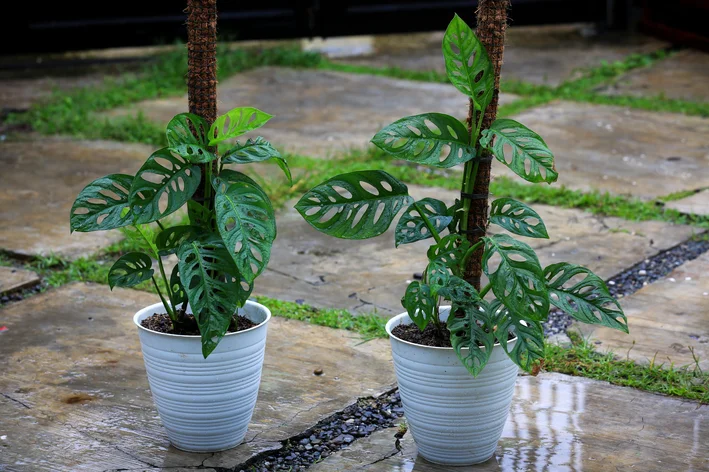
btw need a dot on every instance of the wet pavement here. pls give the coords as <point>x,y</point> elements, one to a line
<point>13,279</point>
<point>697,204</point>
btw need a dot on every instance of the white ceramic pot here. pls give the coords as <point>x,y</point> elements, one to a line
<point>205,404</point>
<point>456,419</point>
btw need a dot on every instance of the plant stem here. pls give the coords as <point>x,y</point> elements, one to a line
<point>160,225</point>
<point>470,252</point>
<point>165,279</point>
<point>170,311</point>
<point>428,223</point>
<point>485,289</point>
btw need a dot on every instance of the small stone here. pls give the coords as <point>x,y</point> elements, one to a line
<point>672,279</point>
<point>300,301</point>
<point>610,282</point>
<point>304,441</point>
<point>642,272</point>
<point>308,447</point>
<point>350,421</point>
<point>418,276</point>
<point>560,339</point>
<point>318,371</point>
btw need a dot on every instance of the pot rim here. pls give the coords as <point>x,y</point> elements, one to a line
<point>197,336</point>
<point>389,327</point>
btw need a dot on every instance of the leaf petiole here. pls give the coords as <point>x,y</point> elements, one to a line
<point>428,223</point>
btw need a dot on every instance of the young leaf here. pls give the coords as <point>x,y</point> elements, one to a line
<point>460,292</point>
<point>346,205</point>
<point>194,153</point>
<point>170,239</point>
<point>517,218</point>
<point>411,227</point>
<point>518,281</point>
<point>256,150</point>
<point>436,276</point>
<point>214,287</point>
<point>179,295</point>
<point>450,251</point>
<point>420,304</point>
<point>432,139</point>
<point>131,269</point>
<point>528,148</point>
<point>246,221</point>
<point>472,336</point>
<point>588,299</point>
<point>164,173</point>
<point>467,64</point>
<point>187,128</point>
<point>235,123</point>
<point>102,205</point>
<point>529,347</point>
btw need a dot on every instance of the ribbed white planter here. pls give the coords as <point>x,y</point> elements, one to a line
<point>205,404</point>
<point>455,419</point>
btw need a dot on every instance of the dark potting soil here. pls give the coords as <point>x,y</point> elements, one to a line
<point>161,323</point>
<point>428,337</point>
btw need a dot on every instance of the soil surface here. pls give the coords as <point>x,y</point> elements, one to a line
<point>161,323</point>
<point>428,337</point>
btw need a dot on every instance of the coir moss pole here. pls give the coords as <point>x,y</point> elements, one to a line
<point>491,26</point>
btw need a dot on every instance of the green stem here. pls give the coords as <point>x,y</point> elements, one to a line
<point>428,223</point>
<point>160,225</point>
<point>165,279</point>
<point>469,253</point>
<point>169,310</point>
<point>485,289</point>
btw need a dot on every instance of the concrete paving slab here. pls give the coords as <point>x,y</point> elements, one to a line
<point>372,275</point>
<point>546,55</point>
<point>13,279</point>
<point>564,424</point>
<point>320,113</point>
<point>39,181</point>
<point>667,319</point>
<point>697,204</point>
<point>622,151</point>
<point>684,76</point>
<point>73,375</point>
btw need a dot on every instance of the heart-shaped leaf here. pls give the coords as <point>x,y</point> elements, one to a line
<point>517,218</point>
<point>411,227</point>
<point>130,269</point>
<point>163,174</point>
<point>187,128</point>
<point>529,346</point>
<point>518,280</point>
<point>357,205</point>
<point>194,153</point>
<point>580,293</point>
<point>450,251</point>
<point>170,239</point>
<point>102,205</point>
<point>179,295</point>
<point>433,139</point>
<point>528,149</point>
<point>256,150</point>
<point>472,336</point>
<point>214,287</point>
<point>235,123</point>
<point>246,221</point>
<point>467,64</point>
<point>420,304</point>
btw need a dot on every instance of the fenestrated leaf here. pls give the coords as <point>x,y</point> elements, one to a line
<point>246,221</point>
<point>187,128</point>
<point>357,205</point>
<point>467,64</point>
<point>585,298</point>
<point>235,123</point>
<point>170,239</point>
<point>472,336</point>
<point>419,303</point>
<point>194,153</point>
<point>450,251</point>
<point>214,286</point>
<point>529,346</point>
<point>528,148</point>
<point>130,269</point>
<point>102,205</point>
<point>199,215</point>
<point>256,150</point>
<point>517,218</point>
<point>436,277</point>
<point>518,281</point>
<point>455,211</point>
<point>411,227</point>
<point>433,139</point>
<point>459,291</point>
<point>179,295</point>
<point>164,173</point>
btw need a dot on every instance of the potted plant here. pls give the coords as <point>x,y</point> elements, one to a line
<point>456,365</point>
<point>203,343</point>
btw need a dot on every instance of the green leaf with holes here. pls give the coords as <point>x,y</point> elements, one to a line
<point>214,286</point>
<point>194,153</point>
<point>436,276</point>
<point>256,150</point>
<point>246,221</point>
<point>528,348</point>
<point>432,139</point>
<point>102,205</point>
<point>163,174</point>
<point>471,333</point>
<point>235,123</point>
<point>517,218</point>
<point>583,295</point>
<point>455,211</point>
<point>357,205</point>
<point>170,239</point>
<point>528,149</point>
<point>130,269</point>
<point>179,295</point>
<point>187,128</point>
<point>518,280</point>
<point>467,64</point>
<point>459,291</point>
<point>450,251</point>
<point>411,227</point>
<point>419,303</point>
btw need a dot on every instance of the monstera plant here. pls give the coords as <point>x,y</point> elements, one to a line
<point>227,243</point>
